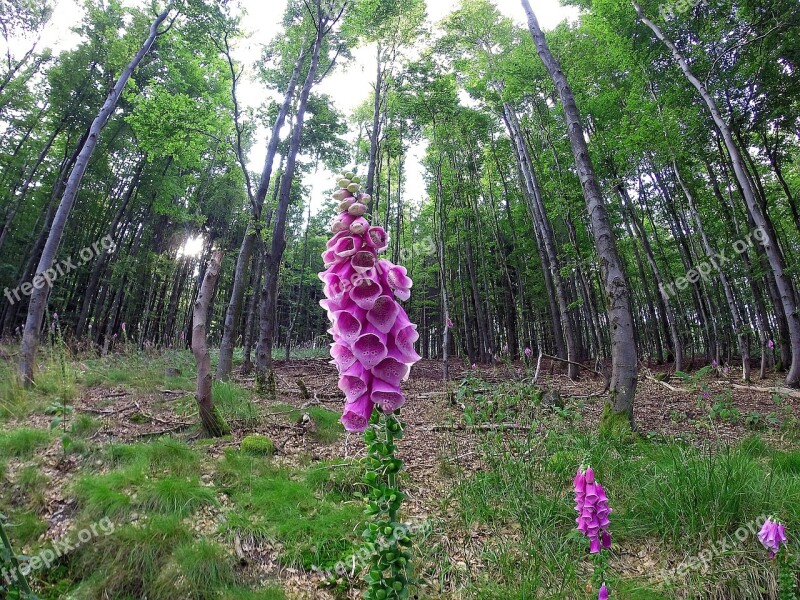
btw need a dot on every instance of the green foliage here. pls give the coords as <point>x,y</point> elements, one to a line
<point>197,570</point>
<point>174,495</point>
<point>387,539</point>
<point>234,403</point>
<point>13,397</point>
<point>270,502</point>
<point>257,445</point>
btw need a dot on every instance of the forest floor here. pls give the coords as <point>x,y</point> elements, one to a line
<point>489,462</point>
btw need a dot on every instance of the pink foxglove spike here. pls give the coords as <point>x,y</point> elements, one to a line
<point>373,339</point>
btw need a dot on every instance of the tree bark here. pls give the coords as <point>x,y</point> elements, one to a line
<point>240,277</point>
<point>623,345</point>
<point>212,423</point>
<point>36,308</point>
<point>272,260</point>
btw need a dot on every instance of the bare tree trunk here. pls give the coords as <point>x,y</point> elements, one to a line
<point>446,322</point>
<point>212,422</point>
<point>240,277</point>
<point>776,263</point>
<point>272,260</point>
<point>376,128</point>
<point>623,343</point>
<point>677,344</point>
<point>36,308</point>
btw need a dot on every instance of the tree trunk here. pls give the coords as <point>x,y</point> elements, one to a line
<point>738,324</point>
<point>273,258</point>
<point>240,277</point>
<point>623,345</point>
<point>212,422</point>
<point>36,308</point>
<point>376,129</point>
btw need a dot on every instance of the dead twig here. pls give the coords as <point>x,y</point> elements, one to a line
<point>672,388</point>
<point>769,390</point>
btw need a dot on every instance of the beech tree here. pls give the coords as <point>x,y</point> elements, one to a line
<point>44,274</point>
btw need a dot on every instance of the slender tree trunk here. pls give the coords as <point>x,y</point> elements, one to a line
<point>272,260</point>
<point>38,301</point>
<point>212,422</point>
<point>233,313</point>
<point>623,343</point>
<point>760,218</point>
<point>738,324</point>
<point>376,128</point>
<point>446,321</point>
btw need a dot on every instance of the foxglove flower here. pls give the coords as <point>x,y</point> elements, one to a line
<point>373,339</point>
<point>770,344</point>
<point>772,535</point>
<point>528,352</point>
<point>591,503</point>
<point>603,594</point>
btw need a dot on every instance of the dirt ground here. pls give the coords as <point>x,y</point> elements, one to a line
<point>436,435</point>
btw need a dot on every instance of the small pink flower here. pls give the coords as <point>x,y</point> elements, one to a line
<point>714,364</point>
<point>474,366</point>
<point>449,323</point>
<point>528,352</point>
<point>591,503</point>
<point>603,595</point>
<point>505,349</point>
<point>772,535</point>
<point>770,344</point>
<point>123,326</point>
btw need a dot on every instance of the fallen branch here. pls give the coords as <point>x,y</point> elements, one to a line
<point>178,427</point>
<point>670,387</point>
<point>577,364</point>
<point>769,390</point>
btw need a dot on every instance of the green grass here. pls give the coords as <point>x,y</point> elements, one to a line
<point>670,500</point>
<point>13,397</point>
<point>129,562</point>
<point>197,570</point>
<point>85,426</point>
<point>140,372</point>
<point>159,456</point>
<point>329,428</point>
<point>22,442</point>
<point>314,528</point>
<point>107,495</point>
<point>174,495</point>
<point>234,403</point>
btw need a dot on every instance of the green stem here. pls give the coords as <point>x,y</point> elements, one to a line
<point>20,580</point>
<point>391,479</point>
